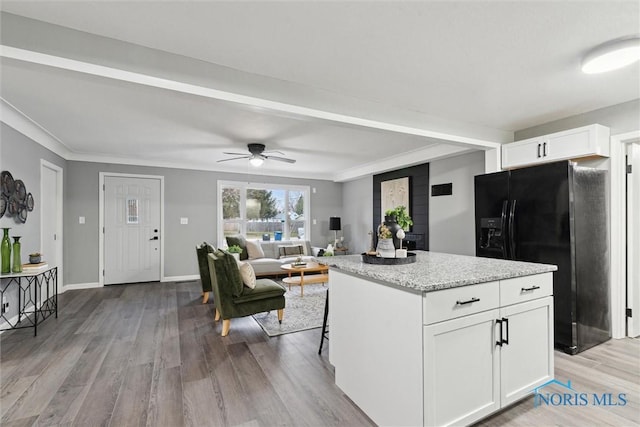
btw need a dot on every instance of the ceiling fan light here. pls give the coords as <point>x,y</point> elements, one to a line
<point>612,55</point>
<point>256,161</point>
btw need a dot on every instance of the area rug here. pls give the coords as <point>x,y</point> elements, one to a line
<point>300,313</point>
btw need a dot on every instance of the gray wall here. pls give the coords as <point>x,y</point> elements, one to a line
<point>621,118</point>
<point>21,156</point>
<point>187,193</point>
<point>357,202</point>
<point>452,218</point>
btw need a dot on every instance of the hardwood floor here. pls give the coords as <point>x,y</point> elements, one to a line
<point>150,354</point>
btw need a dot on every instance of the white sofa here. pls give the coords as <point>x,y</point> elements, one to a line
<point>269,265</point>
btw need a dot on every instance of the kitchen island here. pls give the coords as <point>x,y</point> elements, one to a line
<point>449,339</point>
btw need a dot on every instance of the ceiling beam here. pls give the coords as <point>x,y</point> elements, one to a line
<point>256,102</point>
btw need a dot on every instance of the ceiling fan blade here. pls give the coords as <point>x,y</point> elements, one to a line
<point>273,151</point>
<point>233,158</point>
<point>236,154</point>
<point>280,159</point>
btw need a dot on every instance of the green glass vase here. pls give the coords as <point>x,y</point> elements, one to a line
<point>17,261</point>
<point>6,252</point>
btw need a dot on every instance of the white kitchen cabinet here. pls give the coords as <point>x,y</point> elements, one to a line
<point>526,360</point>
<point>476,364</point>
<point>461,366</point>
<point>592,140</point>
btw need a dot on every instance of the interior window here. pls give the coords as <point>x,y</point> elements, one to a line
<point>276,212</point>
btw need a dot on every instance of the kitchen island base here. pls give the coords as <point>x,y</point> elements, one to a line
<point>450,356</point>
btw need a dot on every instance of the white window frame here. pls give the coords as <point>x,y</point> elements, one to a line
<point>243,186</point>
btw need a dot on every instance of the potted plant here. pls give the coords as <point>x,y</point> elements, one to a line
<point>385,247</point>
<point>35,258</point>
<point>402,217</point>
<point>235,250</point>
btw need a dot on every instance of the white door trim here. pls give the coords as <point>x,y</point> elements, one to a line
<point>59,218</point>
<point>103,175</point>
<point>618,231</point>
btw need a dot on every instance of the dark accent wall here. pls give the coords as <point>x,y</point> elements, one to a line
<point>418,201</point>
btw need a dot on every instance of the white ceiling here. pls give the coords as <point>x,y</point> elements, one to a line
<point>437,66</point>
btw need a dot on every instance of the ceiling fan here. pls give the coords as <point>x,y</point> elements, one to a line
<point>257,155</point>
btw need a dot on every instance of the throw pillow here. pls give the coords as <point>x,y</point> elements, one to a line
<point>240,241</point>
<point>289,251</point>
<point>254,250</point>
<point>248,275</point>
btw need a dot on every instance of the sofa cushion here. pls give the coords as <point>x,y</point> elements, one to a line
<point>265,265</point>
<point>239,241</point>
<point>248,275</point>
<point>290,250</point>
<point>254,250</point>
<point>265,288</point>
<point>270,249</point>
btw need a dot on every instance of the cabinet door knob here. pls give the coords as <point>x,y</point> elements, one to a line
<point>544,149</point>
<point>539,151</point>
<point>499,341</point>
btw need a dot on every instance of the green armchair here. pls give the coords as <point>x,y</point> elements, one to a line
<point>202,251</point>
<point>233,299</point>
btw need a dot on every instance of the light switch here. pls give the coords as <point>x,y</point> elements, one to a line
<point>184,221</point>
<point>81,220</point>
<point>314,221</point>
<point>313,190</point>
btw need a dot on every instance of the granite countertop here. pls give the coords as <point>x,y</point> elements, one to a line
<point>433,271</point>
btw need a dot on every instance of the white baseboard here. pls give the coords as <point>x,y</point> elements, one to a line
<point>186,278</point>
<point>75,286</point>
<point>13,320</point>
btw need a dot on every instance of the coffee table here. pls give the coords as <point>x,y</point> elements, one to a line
<point>304,278</point>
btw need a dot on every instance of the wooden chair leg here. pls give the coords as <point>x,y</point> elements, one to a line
<point>217,315</point>
<point>280,314</point>
<point>226,325</point>
<point>205,297</point>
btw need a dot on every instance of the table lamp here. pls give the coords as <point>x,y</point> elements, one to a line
<point>334,224</point>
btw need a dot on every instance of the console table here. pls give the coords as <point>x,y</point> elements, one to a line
<point>37,297</point>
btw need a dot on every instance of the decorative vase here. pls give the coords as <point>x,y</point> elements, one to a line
<point>385,248</point>
<point>236,256</point>
<point>392,225</point>
<point>35,259</point>
<point>6,252</point>
<point>17,262</point>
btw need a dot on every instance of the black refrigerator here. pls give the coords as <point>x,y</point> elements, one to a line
<point>554,213</point>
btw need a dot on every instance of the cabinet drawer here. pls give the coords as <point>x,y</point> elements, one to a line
<point>456,302</point>
<point>526,288</point>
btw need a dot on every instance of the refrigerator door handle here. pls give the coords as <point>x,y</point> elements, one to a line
<point>503,224</point>
<point>512,239</point>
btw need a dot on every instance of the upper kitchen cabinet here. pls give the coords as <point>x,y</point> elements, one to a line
<point>592,140</point>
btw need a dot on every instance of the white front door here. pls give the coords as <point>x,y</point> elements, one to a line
<point>131,230</point>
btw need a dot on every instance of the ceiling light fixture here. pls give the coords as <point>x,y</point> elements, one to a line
<point>256,161</point>
<point>612,55</point>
